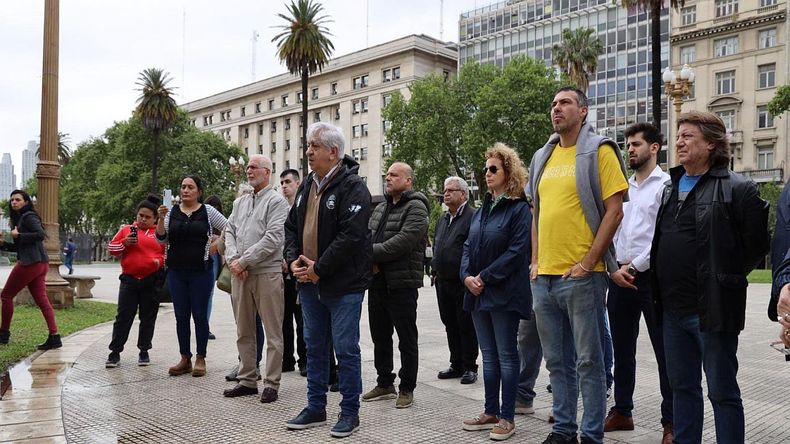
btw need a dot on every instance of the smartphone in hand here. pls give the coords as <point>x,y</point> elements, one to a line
<point>167,198</point>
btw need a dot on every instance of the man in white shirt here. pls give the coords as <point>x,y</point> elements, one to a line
<point>629,289</point>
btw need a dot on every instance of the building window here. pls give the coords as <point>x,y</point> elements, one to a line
<point>356,107</point>
<point>386,99</point>
<point>258,107</point>
<point>333,89</point>
<point>688,15</point>
<point>273,125</point>
<point>193,122</point>
<point>274,168</point>
<point>271,104</point>
<point>725,82</point>
<point>299,97</point>
<point>337,112</point>
<point>764,3</point>
<point>386,125</point>
<point>725,47</point>
<point>386,150</point>
<point>728,117</point>
<point>767,38</point>
<point>688,54</point>
<point>355,153</point>
<point>287,144</point>
<point>288,123</point>
<point>314,93</point>
<point>363,153</point>
<point>287,164</point>
<point>260,129</point>
<point>246,133</point>
<point>390,74</point>
<point>243,111</point>
<point>364,105</point>
<point>274,147</point>
<point>355,131</point>
<point>764,118</point>
<point>284,102</point>
<point>260,148</point>
<point>765,157</point>
<point>445,74</point>
<point>766,75</point>
<point>726,7</point>
<point>364,129</point>
<point>317,116</point>
<point>361,81</point>
<point>222,116</point>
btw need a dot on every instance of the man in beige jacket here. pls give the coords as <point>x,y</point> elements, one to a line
<point>254,241</point>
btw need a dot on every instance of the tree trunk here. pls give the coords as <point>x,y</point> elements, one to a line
<point>304,119</point>
<point>655,32</point>
<point>155,164</point>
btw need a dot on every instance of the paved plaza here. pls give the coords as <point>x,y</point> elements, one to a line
<point>68,395</point>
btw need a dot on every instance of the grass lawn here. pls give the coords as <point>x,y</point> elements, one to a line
<point>759,277</point>
<point>28,328</point>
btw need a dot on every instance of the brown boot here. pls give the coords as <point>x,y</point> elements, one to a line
<point>617,421</point>
<point>669,436</point>
<point>184,366</point>
<point>200,366</point>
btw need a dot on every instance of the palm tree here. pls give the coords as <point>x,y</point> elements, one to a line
<point>305,48</point>
<point>64,150</point>
<point>577,55</point>
<point>157,108</point>
<point>654,6</point>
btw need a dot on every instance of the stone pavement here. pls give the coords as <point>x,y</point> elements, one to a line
<point>68,394</point>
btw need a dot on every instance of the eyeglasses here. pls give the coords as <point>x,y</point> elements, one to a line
<point>492,168</point>
<point>253,167</point>
<point>450,190</point>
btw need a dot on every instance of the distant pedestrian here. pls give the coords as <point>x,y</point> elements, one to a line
<point>289,183</point>
<point>186,229</point>
<point>142,259</point>
<point>216,259</point>
<point>69,251</point>
<point>31,267</point>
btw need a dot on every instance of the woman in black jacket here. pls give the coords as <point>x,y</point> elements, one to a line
<point>30,269</point>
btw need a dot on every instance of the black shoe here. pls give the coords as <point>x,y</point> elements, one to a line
<point>112,360</point>
<point>240,390</point>
<point>450,373</point>
<point>469,377</point>
<point>334,388</point>
<point>233,375</point>
<point>5,335</point>
<point>288,367</point>
<point>53,341</point>
<point>303,370</point>
<point>554,438</point>
<point>211,335</point>
<point>143,359</point>
<point>548,388</point>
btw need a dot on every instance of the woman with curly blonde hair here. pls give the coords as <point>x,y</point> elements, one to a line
<point>495,272</point>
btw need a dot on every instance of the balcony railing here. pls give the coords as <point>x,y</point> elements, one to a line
<point>764,175</point>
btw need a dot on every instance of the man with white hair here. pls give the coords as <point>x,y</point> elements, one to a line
<point>448,247</point>
<point>254,241</point>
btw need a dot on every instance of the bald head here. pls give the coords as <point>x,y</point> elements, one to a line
<point>400,178</point>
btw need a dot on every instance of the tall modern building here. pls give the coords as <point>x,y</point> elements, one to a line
<point>7,177</point>
<point>29,161</point>
<point>619,91</point>
<point>351,92</point>
<point>738,49</point>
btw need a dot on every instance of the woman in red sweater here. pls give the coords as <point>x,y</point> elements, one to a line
<point>141,259</point>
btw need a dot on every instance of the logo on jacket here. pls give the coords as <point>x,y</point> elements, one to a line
<point>354,208</point>
<point>330,202</point>
<point>299,201</point>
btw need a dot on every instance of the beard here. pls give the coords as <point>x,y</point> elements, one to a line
<point>637,162</point>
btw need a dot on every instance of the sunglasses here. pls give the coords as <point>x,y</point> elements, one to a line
<point>492,168</point>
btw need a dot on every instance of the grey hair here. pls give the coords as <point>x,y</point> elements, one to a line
<point>328,135</point>
<point>263,161</point>
<point>461,183</point>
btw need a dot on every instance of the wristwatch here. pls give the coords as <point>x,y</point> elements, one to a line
<point>632,270</point>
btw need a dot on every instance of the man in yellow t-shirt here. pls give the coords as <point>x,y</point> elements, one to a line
<point>577,185</point>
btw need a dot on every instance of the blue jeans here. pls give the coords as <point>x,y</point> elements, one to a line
<point>689,350</point>
<point>497,333</point>
<point>569,315</point>
<point>216,267</point>
<point>332,321</point>
<point>531,356</point>
<point>190,290</point>
<point>608,351</point>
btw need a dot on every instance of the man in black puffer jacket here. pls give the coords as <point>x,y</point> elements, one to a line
<point>398,227</point>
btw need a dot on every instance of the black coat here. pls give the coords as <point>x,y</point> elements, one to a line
<point>344,262</point>
<point>731,239</point>
<point>448,244</point>
<point>29,245</point>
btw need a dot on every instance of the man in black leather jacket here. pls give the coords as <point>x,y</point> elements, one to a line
<point>710,233</point>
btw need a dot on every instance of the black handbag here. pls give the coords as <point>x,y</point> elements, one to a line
<point>161,292</point>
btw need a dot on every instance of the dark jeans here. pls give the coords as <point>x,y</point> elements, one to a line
<point>69,263</point>
<point>688,351</point>
<point>530,357</point>
<point>332,321</point>
<point>461,336</point>
<point>626,307</point>
<point>293,311</point>
<point>135,294</point>
<point>190,290</point>
<point>387,309</point>
<point>497,332</point>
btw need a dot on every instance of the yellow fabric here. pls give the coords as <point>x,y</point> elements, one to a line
<point>563,234</point>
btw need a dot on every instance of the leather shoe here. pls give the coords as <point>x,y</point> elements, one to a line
<point>669,434</point>
<point>240,390</point>
<point>617,421</point>
<point>269,395</point>
<point>450,373</point>
<point>469,377</point>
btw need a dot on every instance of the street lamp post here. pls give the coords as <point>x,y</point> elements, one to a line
<point>237,167</point>
<point>677,86</point>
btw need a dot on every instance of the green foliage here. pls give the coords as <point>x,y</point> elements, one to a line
<point>29,329</point>
<point>770,191</point>
<point>157,110</point>
<point>577,55</point>
<point>64,149</point>
<point>434,213</point>
<point>108,176</point>
<point>446,126</point>
<point>759,276</point>
<point>781,101</point>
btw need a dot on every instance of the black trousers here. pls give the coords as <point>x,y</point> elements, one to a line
<point>388,310</point>
<point>625,307</point>
<point>133,295</point>
<point>461,336</point>
<point>293,311</point>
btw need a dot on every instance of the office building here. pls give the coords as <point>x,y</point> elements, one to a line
<point>29,161</point>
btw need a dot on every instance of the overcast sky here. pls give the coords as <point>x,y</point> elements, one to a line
<point>204,45</point>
